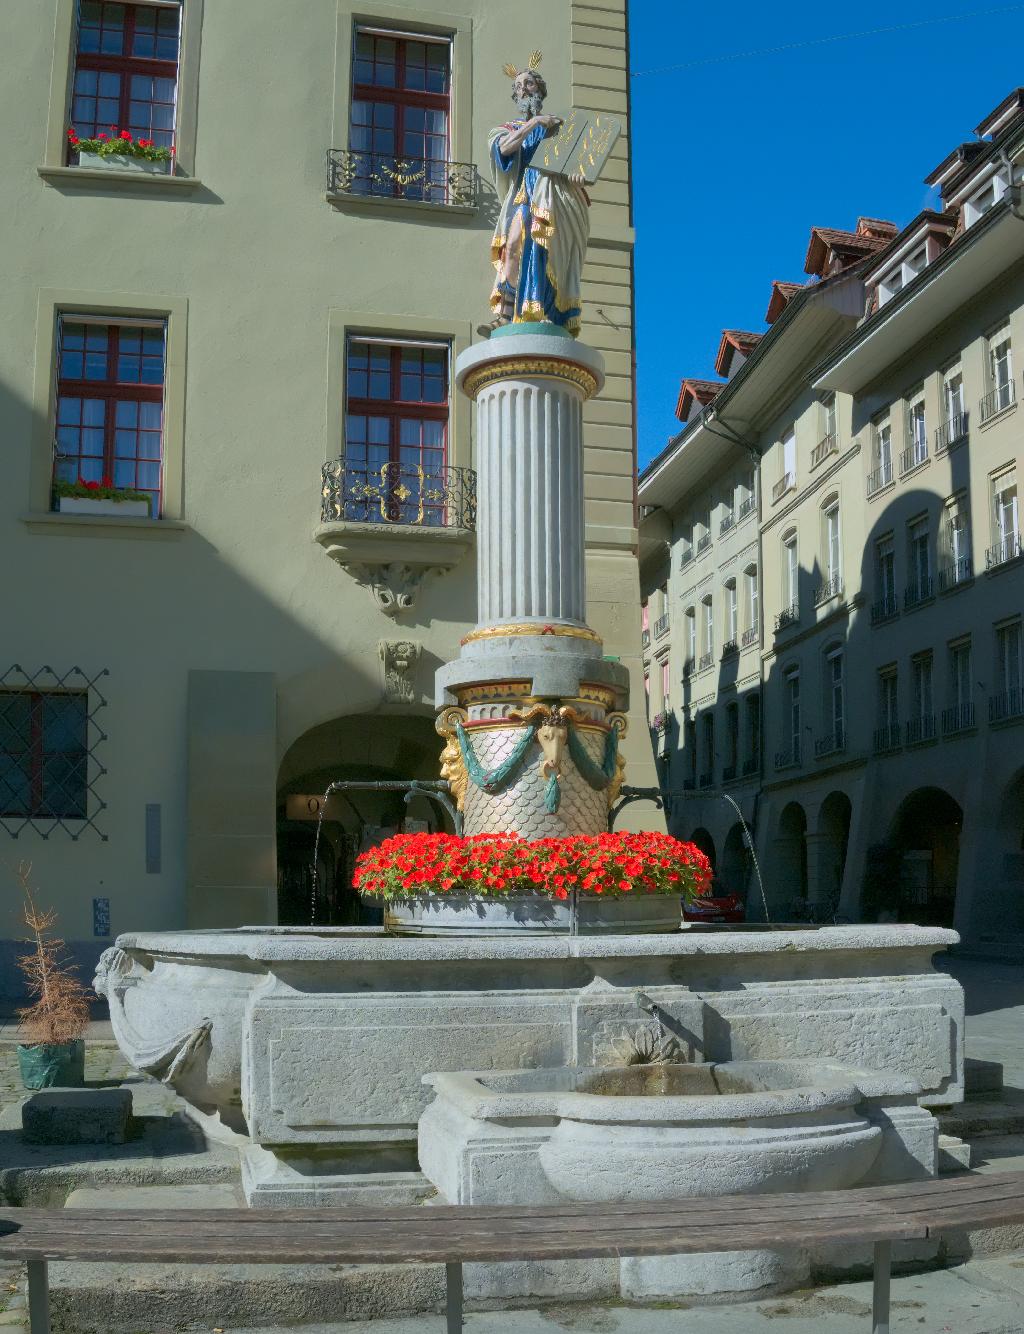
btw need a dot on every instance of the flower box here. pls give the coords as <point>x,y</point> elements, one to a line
<point>124,162</point>
<point>533,914</point>
<point>121,509</point>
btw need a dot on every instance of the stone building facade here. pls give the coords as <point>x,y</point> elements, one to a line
<point>882,403</point>
<point>259,341</point>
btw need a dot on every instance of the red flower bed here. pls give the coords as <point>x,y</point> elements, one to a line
<point>410,865</point>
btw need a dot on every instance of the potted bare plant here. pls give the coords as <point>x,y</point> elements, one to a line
<point>53,1025</point>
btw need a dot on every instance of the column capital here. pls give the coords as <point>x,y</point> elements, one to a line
<point>529,356</point>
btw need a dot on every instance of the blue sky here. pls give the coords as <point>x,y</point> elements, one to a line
<point>735,161</point>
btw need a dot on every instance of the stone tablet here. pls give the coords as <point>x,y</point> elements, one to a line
<point>581,146</point>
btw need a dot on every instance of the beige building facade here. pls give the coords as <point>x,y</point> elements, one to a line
<point>257,344</point>
<point>891,780</point>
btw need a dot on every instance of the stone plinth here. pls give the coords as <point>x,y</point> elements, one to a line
<point>77,1116</point>
<point>531,645</point>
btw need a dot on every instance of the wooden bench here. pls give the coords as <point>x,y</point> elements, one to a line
<point>911,1211</point>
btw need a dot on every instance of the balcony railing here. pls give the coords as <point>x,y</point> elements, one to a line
<point>749,636</point>
<point>729,773</point>
<point>363,175</point>
<point>750,766</point>
<point>885,609</point>
<point>645,638</point>
<point>689,784</point>
<point>1009,704</point>
<point>728,521</point>
<point>1003,552</point>
<point>881,477</point>
<point>785,483</point>
<point>830,589</point>
<point>788,616</point>
<point>688,666</point>
<point>703,542</point>
<point>886,737</point>
<point>830,743</point>
<point>1000,397</point>
<point>661,627</point>
<point>786,759</point>
<point>914,456</point>
<point>957,572</point>
<point>921,729</point>
<point>704,661</point>
<point>397,493</point>
<point>686,557</point>
<point>705,780</point>
<point>916,593</point>
<point>957,719</point>
<point>821,451</point>
<point>730,647</point>
<point>951,433</point>
<point>747,506</point>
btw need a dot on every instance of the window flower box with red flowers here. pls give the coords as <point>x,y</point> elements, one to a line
<point>101,499</point>
<point>620,883</point>
<point>118,151</point>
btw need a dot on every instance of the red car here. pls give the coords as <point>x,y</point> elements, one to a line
<point>718,906</point>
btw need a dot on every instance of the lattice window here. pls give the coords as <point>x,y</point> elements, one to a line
<point>49,736</point>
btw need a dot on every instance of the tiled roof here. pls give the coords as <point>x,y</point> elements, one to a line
<point>734,340</point>
<point>696,391</point>
<point>961,156</point>
<point>847,245</point>
<point>876,227</point>
<point>781,294</point>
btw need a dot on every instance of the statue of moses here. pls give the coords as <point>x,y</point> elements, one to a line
<point>542,231</point>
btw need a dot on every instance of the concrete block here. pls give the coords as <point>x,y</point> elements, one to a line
<point>77,1116</point>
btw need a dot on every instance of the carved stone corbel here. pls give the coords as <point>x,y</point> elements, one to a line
<point>399,658</point>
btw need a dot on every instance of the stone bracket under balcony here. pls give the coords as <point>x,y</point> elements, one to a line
<point>391,561</point>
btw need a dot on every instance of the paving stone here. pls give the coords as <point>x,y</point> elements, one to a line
<point>77,1116</point>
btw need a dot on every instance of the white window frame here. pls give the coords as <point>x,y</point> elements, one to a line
<point>833,541</point>
<point>791,570</point>
<point>885,568</point>
<point>835,684</point>
<point>732,611</point>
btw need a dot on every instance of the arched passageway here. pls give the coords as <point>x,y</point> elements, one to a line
<point>702,838</point>
<point>925,840</point>
<point>366,748</point>
<point>790,861</point>
<point>736,862</point>
<point>832,844</point>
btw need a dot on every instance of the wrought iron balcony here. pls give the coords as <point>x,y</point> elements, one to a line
<point>688,667</point>
<point>921,729</point>
<point>1003,552</point>
<point>885,609</point>
<point>703,542</point>
<point>821,451</point>
<point>705,780</point>
<point>728,521</point>
<point>686,557</point>
<point>730,647</point>
<point>1009,704</point>
<point>914,456</point>
<point>830,743</point>
<point>957,572</point>
<point>951,433</point>
<point>959,718</point>
<point>750,766</point>
<point>788,616</point>
<point>916,593</point>
<point>787,759</point>
<point>881,477</point>
<point>661,626</point>
<point>705,660</point>
<point>749,637</point>
<point>830,589</point>
<point>394,493</point>
<point>645,638</point>
<point>747,506</point>
<point>1000,397</point>
<point>785,483</point>
<point>363,175</point>
<point>887,737</point>
<point>729,773</point>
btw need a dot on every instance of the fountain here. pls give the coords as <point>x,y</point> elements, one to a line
<point>309,1048</point>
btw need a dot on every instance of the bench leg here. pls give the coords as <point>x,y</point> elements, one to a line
<point>38,1297</point>
<point>453,1307</point>
<point>880,1295</point>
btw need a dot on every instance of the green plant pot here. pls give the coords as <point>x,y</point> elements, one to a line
<point>46,1064</point>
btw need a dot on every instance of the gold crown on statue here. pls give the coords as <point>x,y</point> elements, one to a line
<point>514,73</point>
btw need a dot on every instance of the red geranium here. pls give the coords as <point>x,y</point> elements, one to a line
<point>505,864</point>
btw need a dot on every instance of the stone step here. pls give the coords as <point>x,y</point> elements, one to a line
<point>954,1155</point>
<point>982,1077</point>
<point>982,1116</point>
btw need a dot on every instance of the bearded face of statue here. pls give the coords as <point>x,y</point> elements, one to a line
<point>529,93</point>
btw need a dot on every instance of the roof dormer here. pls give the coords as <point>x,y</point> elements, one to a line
<point>733,350</point>
<point>782,294</point>
<point>831,250</point>
<point>998,119</point>
<point>908,254</point>
<point>697,393</point>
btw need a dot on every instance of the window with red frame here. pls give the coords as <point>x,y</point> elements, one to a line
<point>401,102</point>
<point>110,390</point>
<point>396,431</point>
<point>126,70</point>
<point>43,753</point>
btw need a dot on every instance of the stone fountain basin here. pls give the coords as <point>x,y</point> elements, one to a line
<point>658,1132</point>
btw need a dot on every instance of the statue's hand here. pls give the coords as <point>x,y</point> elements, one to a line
<point>549,122</point>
